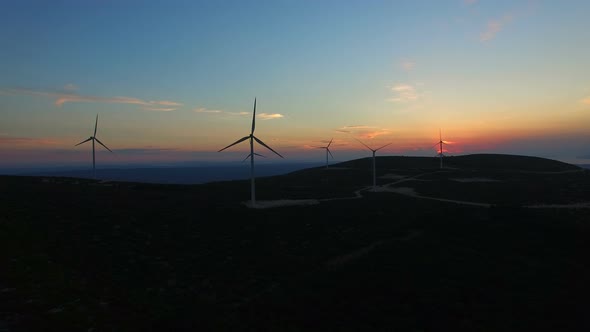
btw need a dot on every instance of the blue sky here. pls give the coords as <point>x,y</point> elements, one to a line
<point>176,80</point>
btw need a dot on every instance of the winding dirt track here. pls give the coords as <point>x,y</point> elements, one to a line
<point>408,191</point>
<point>388,187</point>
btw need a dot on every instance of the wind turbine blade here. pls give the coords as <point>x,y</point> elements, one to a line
<point>383,146</point>
<point>363,143</point>
<point>330,143</point>
<point>254,117</point>
<point>266,146</point>
<point>330,152</point>
<point>256,154</point>
<point>236,142</point>
<point>99,142</point>
<point>95,125</point>
<point>84,141</point>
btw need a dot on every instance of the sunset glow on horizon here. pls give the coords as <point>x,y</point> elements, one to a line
<point>176,81</point>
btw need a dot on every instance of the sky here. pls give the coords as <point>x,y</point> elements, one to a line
<point>175,81</point>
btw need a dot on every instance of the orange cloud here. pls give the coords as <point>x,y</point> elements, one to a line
<point>374,133</point>
<point>586,101</point>
<point>349,129</point>
<point>364,132</point>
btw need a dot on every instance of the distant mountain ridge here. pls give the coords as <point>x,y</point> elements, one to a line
<point>178,175</point>
<point>228,172</point>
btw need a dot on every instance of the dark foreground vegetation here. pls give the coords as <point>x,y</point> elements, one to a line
<point>81,255</point>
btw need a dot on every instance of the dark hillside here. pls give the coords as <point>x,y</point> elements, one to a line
<point>82,255</point>
<point>508,163</point>
<point>472,161</point>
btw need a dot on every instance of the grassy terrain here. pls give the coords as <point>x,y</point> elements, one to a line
<point>79,255</point>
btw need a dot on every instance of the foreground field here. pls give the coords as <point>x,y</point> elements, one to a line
<point>83,255</point>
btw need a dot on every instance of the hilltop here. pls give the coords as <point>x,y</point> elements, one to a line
<point>489,242</point>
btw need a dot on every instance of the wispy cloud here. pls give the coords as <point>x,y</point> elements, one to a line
<point>165,103</point>
<point>350,129</point>
<point>263,116</point>
<point>159,109</point>
<point>62,98</point>
<point>204,110</point>
<point>469,2</point>
<point>267,116</point>
<point>404,93</point>
<point>210,111</point>
<point>408,65</point>
<point>494,27</point>
<point>364,132</point>
<point>585,101</point>
<point>375,133</point>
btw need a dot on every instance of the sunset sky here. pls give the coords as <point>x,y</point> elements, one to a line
<point>176,80</point>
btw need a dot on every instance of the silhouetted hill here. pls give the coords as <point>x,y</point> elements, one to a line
<point>498,246</point>
<point>472,161</point>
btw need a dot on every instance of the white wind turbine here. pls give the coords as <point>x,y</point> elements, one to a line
<point>93,138</point>
<point>374,169</point>
<point>252,138</point>
<point>327,147</point>
<point>440,144</point>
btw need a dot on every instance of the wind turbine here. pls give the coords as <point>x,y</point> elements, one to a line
<point>327,147</point>
<point>93,138</point>
<point>440,151</point>
<point>374,169</point>
<point>252,138</point>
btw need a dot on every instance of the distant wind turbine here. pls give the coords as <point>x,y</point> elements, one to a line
<point>440,151</point>
<point>327,147</point>
<point>252,138</point>
<point>374,169</point>
<point>93,138</point>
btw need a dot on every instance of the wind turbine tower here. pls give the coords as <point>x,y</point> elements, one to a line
<point>440,144</point>
<point>374,168</point>
<point>93,139</point>
<point>252,138</point>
